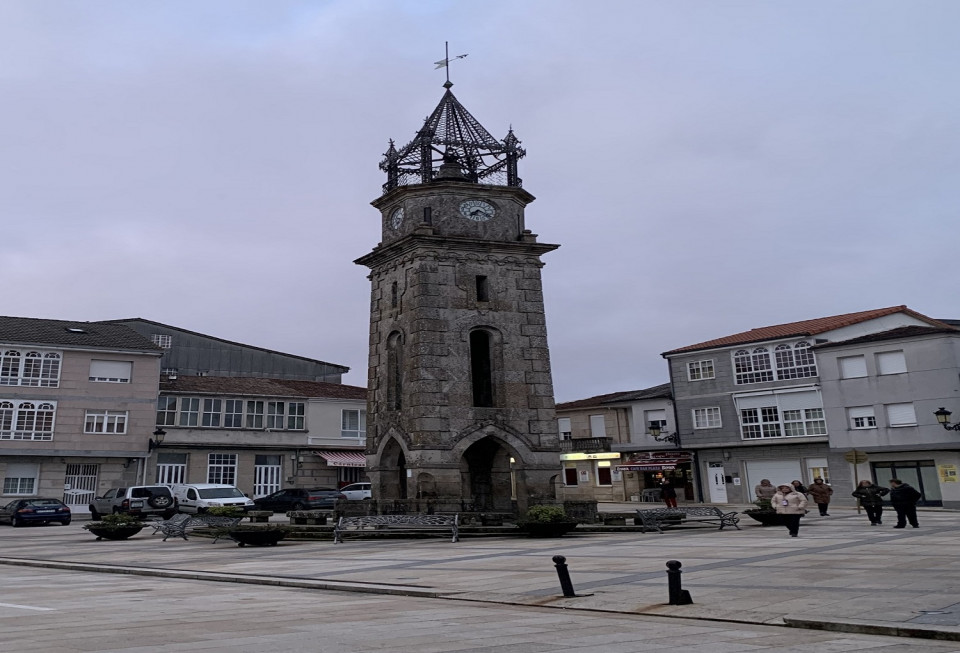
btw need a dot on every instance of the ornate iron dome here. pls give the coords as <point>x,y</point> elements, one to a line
<point>450,134</point>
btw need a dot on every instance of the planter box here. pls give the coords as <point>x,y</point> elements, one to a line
<point>115,533</point>
<point>261,537</point>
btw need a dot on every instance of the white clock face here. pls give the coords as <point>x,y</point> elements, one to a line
<point>396,218</point>
<point>477,210</point>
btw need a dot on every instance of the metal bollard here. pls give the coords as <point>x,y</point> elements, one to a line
<point>678,595</point>
<point>565,583</point>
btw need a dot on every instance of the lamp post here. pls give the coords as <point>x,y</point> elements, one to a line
<point>655,431</point>
<point>159,434</point>
<point>943,416</point>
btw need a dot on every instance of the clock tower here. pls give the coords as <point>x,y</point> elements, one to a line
<point>460,408</point>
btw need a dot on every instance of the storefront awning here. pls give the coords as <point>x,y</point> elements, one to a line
<point>663,465</point>
<point>343,458</point>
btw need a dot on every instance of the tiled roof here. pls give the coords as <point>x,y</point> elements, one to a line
<point>892,334</point>
<point>656,392</point>
<point>802,328</point>
<point>252,386</point>
<point>81,335</point>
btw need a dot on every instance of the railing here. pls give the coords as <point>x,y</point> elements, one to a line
<point>585,444</point>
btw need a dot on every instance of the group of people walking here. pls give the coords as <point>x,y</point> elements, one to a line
<point>790,501</point>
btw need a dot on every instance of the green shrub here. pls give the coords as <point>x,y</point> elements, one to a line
<point>545,514</point>
<point>225,511</point>
<point>115,521</point>
<point>763,504</point>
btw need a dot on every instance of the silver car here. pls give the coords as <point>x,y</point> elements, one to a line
<point>356,491</point>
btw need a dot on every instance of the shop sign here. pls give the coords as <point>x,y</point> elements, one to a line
<point>590,456</point>
<point>948,473</point>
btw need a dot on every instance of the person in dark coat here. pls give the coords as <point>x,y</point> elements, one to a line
<point>668,493</point>
<point>871,498</point>
<point>821,493</point>
<point>904,499</point>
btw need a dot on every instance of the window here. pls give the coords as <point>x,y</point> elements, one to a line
<point>211,412</point>
<point>706,418</point>
<point>21,478</point>
<point>26,420</point>
<point>162,340</point>
<point>570,474</point>
<point>166,411</point>
<point>901,415</point>
<point>604,476</point>
<point>481,369</point>
<point>169,372</point>
<point>563,426</point>
<point>111,371</point>
<point>394,295</point>
<point>891,362</point>
<point>34,368</point>
<point>171,468</point>
<point>781,414</point>
<point>852,367</point>
<point>786,361</point>
<point>598,426</point>
<point>483,289</point>
<point>700,370</point>
<point>394,371</point>
<point>189,411</point>
<point>222,468</point>
<point>233,413</point>
<point>275,414</point>
<point>862,417</point>
<point>105,421</point>
<point>254,414</point>
<point>353,423</point>
<point>295,413</point>
<point>658,417</point>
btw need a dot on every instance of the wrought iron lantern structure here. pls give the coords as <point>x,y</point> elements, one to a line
<point>943,417</point>
<point>156,440</point>
<point>659,436</point>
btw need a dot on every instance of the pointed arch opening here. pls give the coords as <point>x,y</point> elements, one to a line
<point>395,371</point>
<point>487,475</point>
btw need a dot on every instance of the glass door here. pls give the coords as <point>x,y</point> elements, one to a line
<point>921,474</point>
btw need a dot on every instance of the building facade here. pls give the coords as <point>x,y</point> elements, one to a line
<point>77,407</point>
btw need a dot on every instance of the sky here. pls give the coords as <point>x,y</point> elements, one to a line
<point>706,166</point>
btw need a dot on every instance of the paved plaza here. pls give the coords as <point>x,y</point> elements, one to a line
<point>483,593</point>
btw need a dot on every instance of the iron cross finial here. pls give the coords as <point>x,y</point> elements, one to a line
<point>445,62</point>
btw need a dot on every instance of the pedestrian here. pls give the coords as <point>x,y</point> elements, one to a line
<point>668,493</point>
<point>791,506</point>
<point>904,499</point>
<point>799,487</point>
<point>871,498</point>
<point>821,492</point>
<point>765,490</point>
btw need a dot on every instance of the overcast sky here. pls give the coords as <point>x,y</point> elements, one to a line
<point>706,166</point>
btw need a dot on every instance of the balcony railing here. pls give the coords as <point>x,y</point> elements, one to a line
<point>586,444</point>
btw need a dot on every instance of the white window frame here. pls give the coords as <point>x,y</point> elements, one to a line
<point>707,417</point>
<point>222,468</point>
<point>774,362</point>
<point>233,413</point>
<point>353,428</point>
<point>891,362</point>
<point>276,415</point>
<point>171,473</point>
<point>564,428</point>
<point>212,415</point>
<point>21,479</point>
<point>162,340</point>
<point>33,368</point>
<point>254,414</point>
<point>852,367</point>
<point>861,418</point>
<point>189,411</point>
<point>776,417</point>
<point>20,419</point>
<point>701,370</point>
<point>112,422</point>
<point>894,412</point>
<point>598,426</point>
<point>104,371</point>
<point>296,415</point>
<point>166,410</point>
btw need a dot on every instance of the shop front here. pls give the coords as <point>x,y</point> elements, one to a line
<point>644,471</point>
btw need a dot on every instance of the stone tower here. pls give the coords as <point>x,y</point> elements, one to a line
<point>460,409</point>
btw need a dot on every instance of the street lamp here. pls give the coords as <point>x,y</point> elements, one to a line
<point>159,434</point>
<point>943,416</point>
<point>655,431</point>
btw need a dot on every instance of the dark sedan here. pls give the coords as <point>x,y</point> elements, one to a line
<point>35,511</point>
<point>299,499</point>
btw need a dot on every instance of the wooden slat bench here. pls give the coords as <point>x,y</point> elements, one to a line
<point>659,517</point>
<point>413,523</point>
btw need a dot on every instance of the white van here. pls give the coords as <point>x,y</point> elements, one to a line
<point>198,497</point>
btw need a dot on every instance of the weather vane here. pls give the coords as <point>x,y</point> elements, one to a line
<point>445,62</point>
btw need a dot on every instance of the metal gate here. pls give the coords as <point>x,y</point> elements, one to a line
<point>171,473</point>
<point>80,485</point>
<point>266,479</point>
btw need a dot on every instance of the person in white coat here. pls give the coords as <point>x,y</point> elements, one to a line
<point>791,506</point>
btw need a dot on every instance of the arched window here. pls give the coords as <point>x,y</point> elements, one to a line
<point>32,368</point>
<point>50,371</point>
<point>10,367</point>
<point>6,417</point>
<point>481,368</point>
<point>394,371</point>
<point>795,362</point>
<point>752,366</point>
<point>394,295</point>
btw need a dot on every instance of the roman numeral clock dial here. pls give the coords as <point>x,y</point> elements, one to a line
<point>477,210</point>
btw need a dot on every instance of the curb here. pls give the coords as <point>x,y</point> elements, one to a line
<point>867,628</point>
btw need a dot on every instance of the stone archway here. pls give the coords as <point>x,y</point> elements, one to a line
<point>486,472</point>
<point>393,472</point>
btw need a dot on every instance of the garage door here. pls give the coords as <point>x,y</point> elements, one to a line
<point>778,471</point>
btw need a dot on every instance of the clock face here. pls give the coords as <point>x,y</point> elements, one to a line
<point>396,218</point>
<point>477,210</point>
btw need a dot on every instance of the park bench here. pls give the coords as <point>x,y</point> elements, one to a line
<point>659,517</point>
<point>178,525</point>
<point>446,524</point>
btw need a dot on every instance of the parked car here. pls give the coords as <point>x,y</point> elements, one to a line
<point>299,499</point>
<point>356,491</point>
<point>21,512</point>
<point>138,500</point>
<point>199,497</point>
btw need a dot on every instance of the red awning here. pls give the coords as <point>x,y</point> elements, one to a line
<point>343,458</point>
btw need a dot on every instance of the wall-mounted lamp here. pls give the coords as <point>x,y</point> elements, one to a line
<point>943,416</point>
<point>657,434</point>
<point>156,440</point>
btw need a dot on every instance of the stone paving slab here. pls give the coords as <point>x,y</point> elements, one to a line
<point>839,569</point>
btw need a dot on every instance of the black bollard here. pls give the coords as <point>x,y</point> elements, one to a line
<point>565,583</point>
<point>678,595</point>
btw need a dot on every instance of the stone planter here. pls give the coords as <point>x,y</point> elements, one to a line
<point>258,537</point>
<point>547,529</point>
<point>108,533</point>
